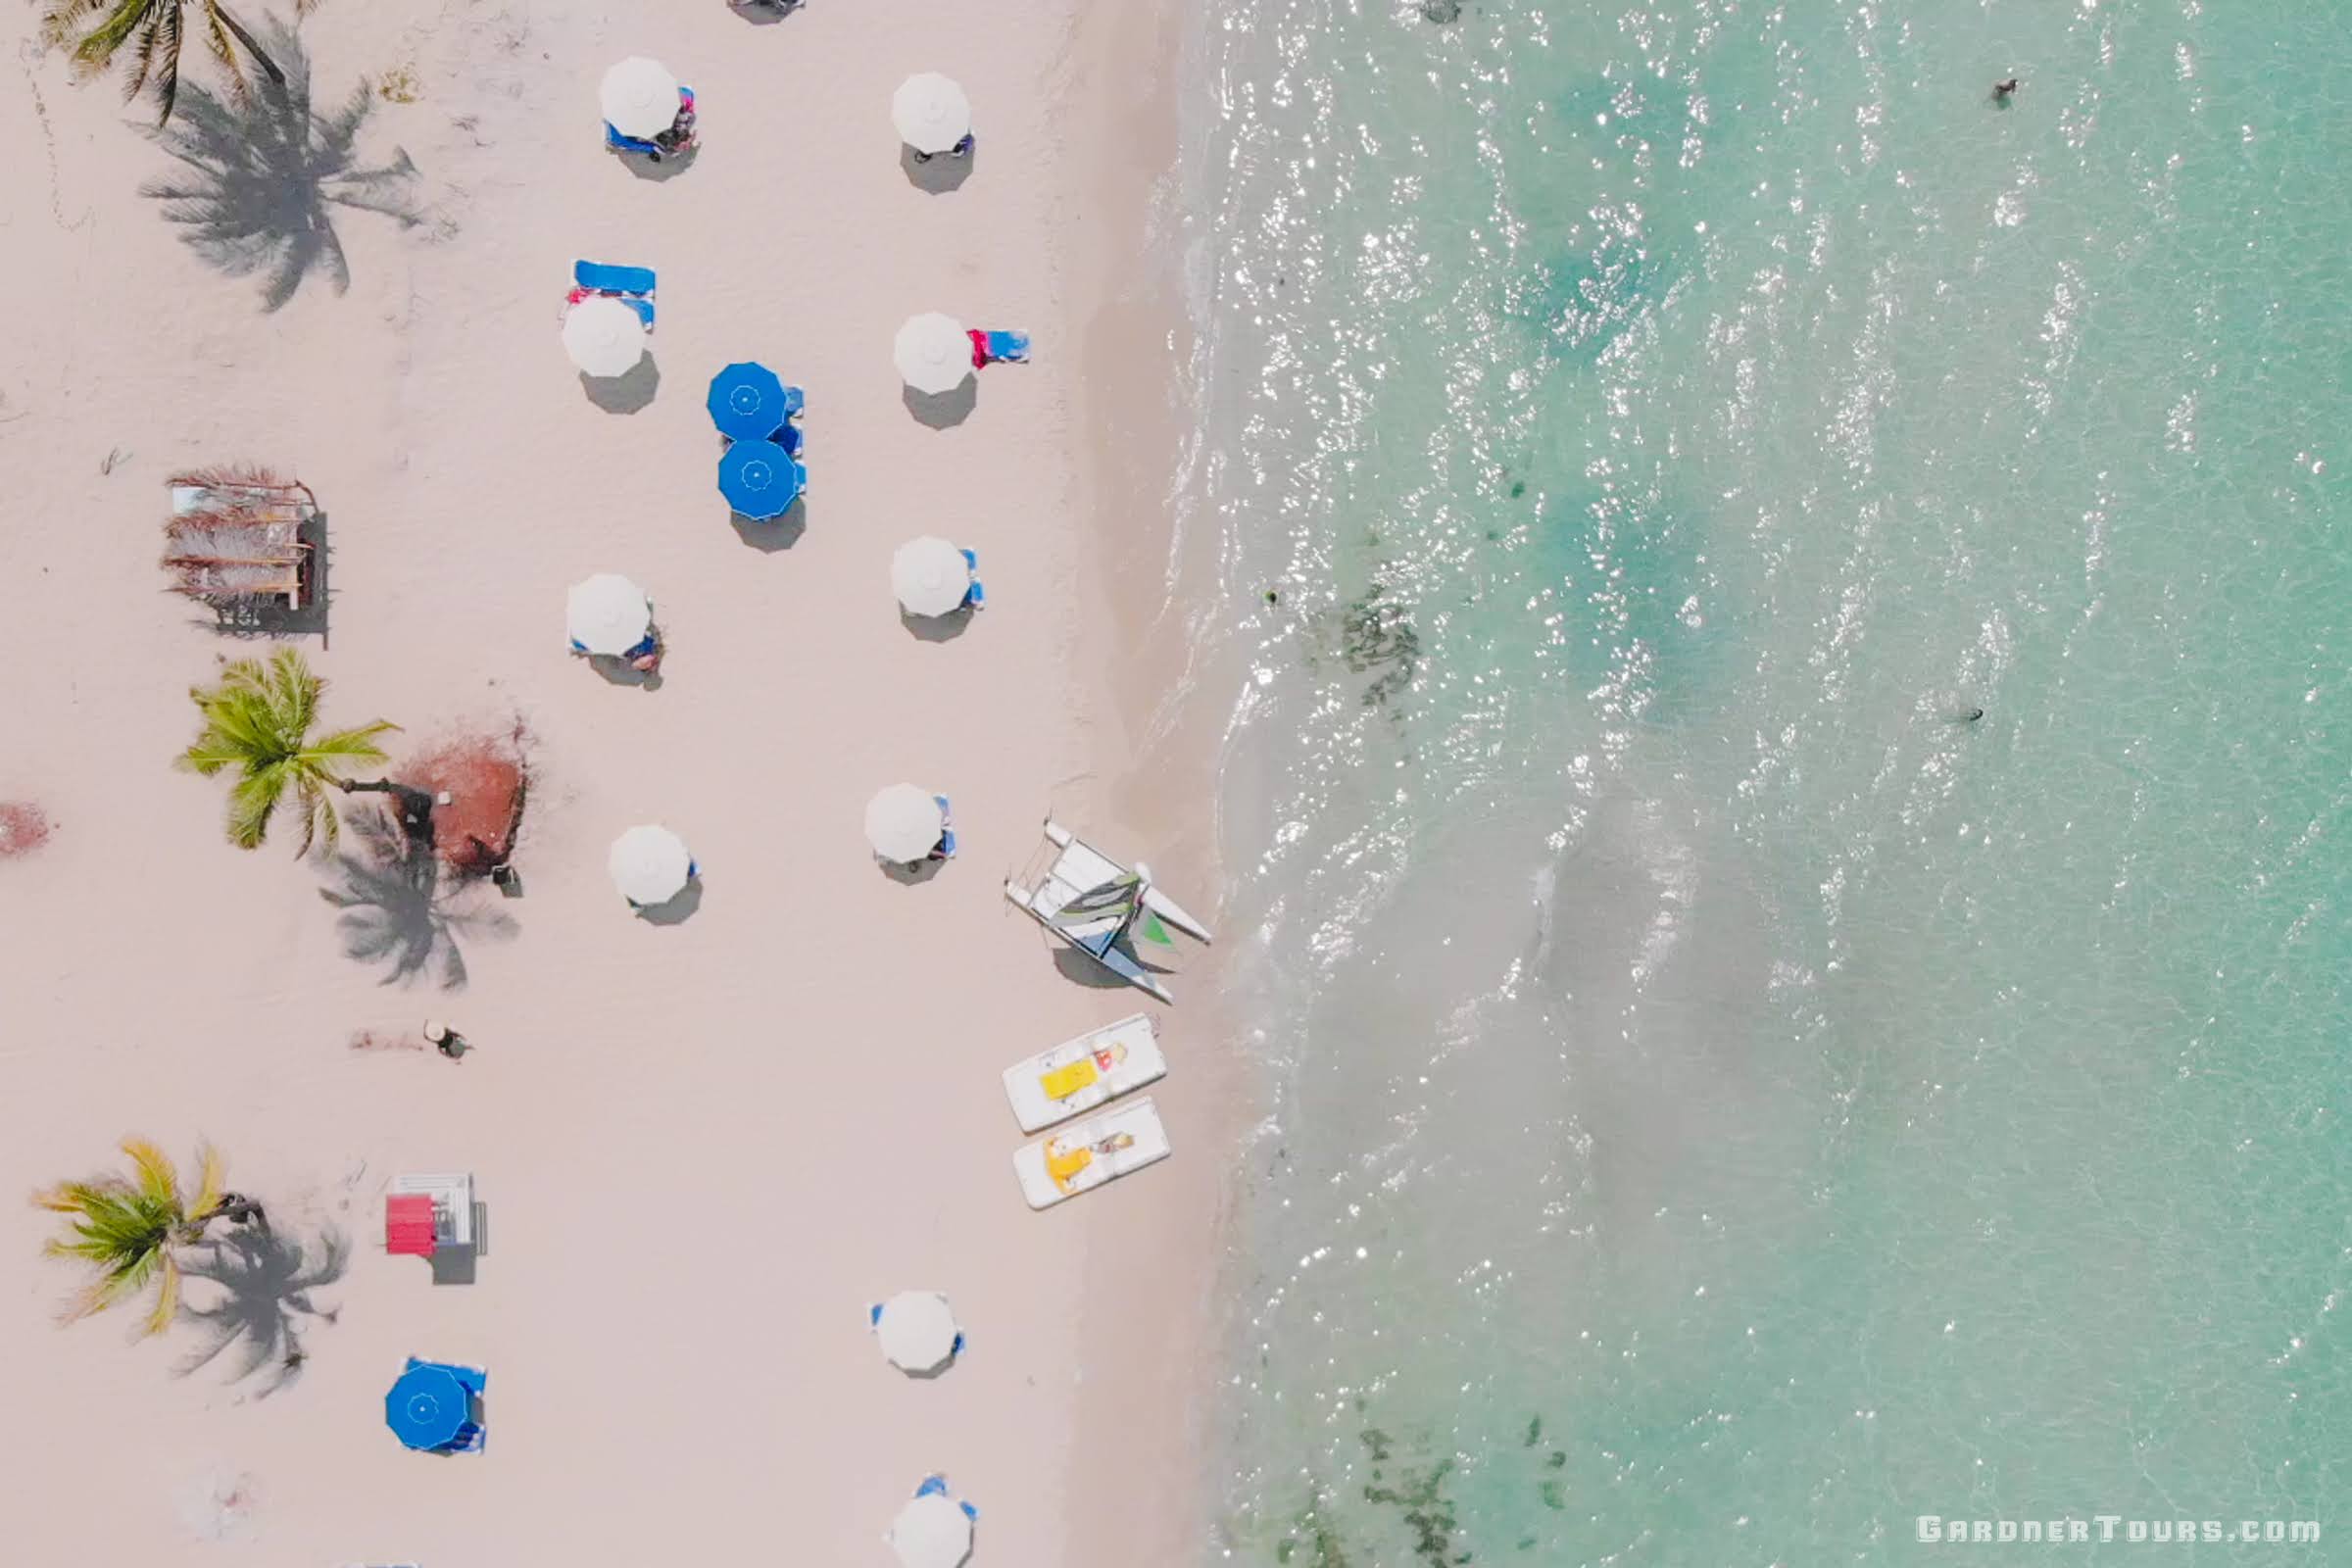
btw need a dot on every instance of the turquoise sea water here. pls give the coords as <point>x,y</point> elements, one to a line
<point>1723,1106</point>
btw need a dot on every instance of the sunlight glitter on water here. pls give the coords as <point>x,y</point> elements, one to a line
<point>1721,1101</point>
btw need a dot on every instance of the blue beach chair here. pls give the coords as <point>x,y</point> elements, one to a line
<point>652,152</point>
<point>947,832</point>
<point>604,277</point>
<point>633,285</point>
<point>615,142</point>
<point>975,598</point>
<point>1013,346</point>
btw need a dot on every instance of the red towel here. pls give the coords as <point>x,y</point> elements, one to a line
<point>979,348</point>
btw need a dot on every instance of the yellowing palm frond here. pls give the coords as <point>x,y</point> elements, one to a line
<point>167,1297</point>
<point>157,1179</point>
<point>210,1180</point>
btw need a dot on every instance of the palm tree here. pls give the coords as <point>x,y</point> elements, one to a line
<point>127,1228</point>
<point>258,721</point>
<point>97,30</point>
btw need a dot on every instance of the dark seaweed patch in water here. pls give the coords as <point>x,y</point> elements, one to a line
<point>1426,1511</point>
<point>1379,637</point>
<point>1374,636</point>
<point>1312,1541</point>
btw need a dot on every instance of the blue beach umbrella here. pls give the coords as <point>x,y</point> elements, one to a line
<point>746,402</point>
<point>759,480</point>
<point>427,1407</point>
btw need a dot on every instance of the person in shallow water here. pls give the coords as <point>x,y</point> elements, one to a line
<point>2003,91</point>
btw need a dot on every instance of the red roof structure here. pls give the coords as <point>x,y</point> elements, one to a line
<point>409,1227</point>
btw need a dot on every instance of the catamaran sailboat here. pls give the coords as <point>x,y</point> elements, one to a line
<point>1099,906</point>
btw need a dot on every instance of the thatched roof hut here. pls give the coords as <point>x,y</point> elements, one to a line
<point>235,535</point>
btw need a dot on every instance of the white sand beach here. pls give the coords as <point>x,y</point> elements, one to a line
<point>703,1146</point>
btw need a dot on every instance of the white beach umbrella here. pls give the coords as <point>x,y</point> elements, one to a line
<point>604,336</point>
<point>930,576</point>
<point>917,1331</point>
<point>933,353</point>
<point>649,865</point>
<point>931,113</point>
<point>640,97</point>
<point>931,1532</point>
<point>608,614</point>
<point>902,823</point>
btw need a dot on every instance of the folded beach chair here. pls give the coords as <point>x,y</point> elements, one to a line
<point>947,830</point>
<point>975,598</point>
<point>1080,1074</point>
<point>1087,1154</point>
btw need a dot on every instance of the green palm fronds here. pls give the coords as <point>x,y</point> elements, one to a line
<point>126,1228</point>
<point>97,30</point>
<point>258,721</point>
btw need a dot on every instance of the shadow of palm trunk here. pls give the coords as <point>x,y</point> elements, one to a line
<point>265,173</point>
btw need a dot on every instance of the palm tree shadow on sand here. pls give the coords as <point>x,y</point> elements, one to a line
<point>401,910</point>
<point>267,172</point>
<point>264,1306</point>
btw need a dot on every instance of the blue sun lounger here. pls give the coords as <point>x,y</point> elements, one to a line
<point>975,598</point>
<point>1013,346</point>
<point>633,285</point>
